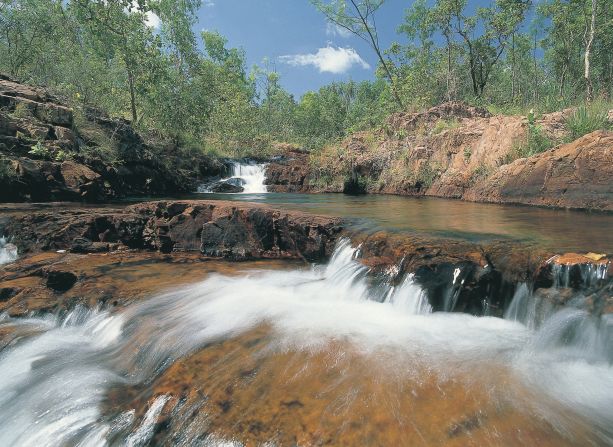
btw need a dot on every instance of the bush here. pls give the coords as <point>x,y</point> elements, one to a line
<point>536,140</point>
<point>40,151</point>
<point>587,119</point>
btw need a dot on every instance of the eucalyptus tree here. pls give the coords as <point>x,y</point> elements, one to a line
<point>358,17</point>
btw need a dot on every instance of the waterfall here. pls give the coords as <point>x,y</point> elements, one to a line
<point>247,175</point>
<point>253,176</point>
<point>56,378</point>
<point>8,251</point>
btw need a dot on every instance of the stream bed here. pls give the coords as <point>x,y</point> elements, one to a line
<point>320,355</point>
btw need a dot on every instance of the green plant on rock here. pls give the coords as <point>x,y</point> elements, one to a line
<point>587,119</point>
<point>41,151</point>
<point>480,173</point>
<point>428,172</point>
<point>62,155</point>
<point>443,125</point>
<point>536,140</point>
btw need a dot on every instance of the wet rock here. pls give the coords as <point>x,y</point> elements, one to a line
<point>60,281</point>
<point>214,228</point>
<point>226,186</point>
<point>289,172</point>
<point>6,293</point>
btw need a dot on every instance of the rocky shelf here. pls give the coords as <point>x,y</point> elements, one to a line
<point>56,247</point>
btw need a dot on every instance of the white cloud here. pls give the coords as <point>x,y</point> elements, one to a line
<point>208,3</point>
<point>328,59</point>
<point>333,29</point>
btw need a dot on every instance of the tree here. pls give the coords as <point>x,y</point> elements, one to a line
<point>358,17</point>
<point>588,38</point>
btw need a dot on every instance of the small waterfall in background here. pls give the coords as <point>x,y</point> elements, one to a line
<point>248,176</point>
<point>8,251</point>
<point>253,176</point>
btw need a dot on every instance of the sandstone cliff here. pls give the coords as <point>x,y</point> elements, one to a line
<point>462,152</point>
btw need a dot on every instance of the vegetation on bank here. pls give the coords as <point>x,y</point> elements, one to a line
<point>510,57</point>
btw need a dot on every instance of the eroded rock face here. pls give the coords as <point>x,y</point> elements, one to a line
<point>458,275</point>
<point>218,229</point>
<point>573,175</point>
<point>457,151</point>
<point>289,173</point>
<point>45,156</point>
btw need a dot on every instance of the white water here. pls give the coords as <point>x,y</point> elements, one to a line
<point>252,176</point>
<point>52,385</point>
<point>8,251</point>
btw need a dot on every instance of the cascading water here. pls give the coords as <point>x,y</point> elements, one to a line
<point>8,251</point>
<point>249,176</point>
<point>56,377</point>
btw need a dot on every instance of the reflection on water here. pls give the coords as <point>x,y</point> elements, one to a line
<point>561,230</point>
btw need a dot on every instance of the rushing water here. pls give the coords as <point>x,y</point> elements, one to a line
<point>316,326</point>
<point>8,251</point>
<point>251,177</point>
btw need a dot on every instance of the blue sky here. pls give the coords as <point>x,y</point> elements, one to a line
<point>294,36</point>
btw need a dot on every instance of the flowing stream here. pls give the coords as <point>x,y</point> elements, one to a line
<point>349,361</point>
<point>8,251</point>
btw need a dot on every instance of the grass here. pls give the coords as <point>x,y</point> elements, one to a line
<point>443,125</point>
<point>587,119</point>
<point>21,111</point>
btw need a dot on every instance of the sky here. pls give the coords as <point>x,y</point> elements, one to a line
<point>296,40</point>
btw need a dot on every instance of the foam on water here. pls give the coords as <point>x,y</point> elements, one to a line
<point>8,251</point>
<point>53,384</point>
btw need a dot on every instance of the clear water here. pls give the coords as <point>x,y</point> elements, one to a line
<point>560,230</point>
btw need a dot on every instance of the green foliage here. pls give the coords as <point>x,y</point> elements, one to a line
<point>536,140</point>
<point>197,92</point>
<point>62,156</point>
<point>443,125</point>
<point>480,173</point>
<point>587,119</point>
<point>427,173</point>
<point>40,151</point>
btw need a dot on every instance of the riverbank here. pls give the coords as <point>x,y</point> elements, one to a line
<point>51,152</point>
<point>461,152</point>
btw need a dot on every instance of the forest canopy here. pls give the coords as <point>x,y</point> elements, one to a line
<point>142,60</point>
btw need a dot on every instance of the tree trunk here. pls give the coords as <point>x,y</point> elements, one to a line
<point>588,48</point>
<point>513,68</point>
<point>448,66</point>
<point>132,96</point>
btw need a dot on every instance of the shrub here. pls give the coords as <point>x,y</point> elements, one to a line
<point>587,119</point>
<point>536,140</point>
<point>40,151</point>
